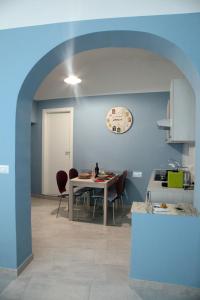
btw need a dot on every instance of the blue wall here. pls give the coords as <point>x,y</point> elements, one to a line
<point>34,112</point>
<point>37,50</point>
<point>165,248</point>
<point>142,148</point>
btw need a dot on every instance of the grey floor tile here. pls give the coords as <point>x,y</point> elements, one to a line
<point>5,279</point>
<point>148,290</point>
<point>66,256</point>
<point>112,292</point>
<point>83,261</point>
<point>80,272</point>
<point>115,274</point>
<point>41,288</point>
<point>15,290</point>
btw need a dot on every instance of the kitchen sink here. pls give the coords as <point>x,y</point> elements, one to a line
<point>160,175</point>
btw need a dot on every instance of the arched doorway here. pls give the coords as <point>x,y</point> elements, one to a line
<point>126,39</point>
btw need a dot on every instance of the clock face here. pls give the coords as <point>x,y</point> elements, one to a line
<point>119,119</point>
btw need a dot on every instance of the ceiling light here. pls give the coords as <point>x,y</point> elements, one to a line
<point>72,79</point>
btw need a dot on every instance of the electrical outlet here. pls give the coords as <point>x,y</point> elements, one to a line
<point>137,174</point>
<point>4,169</point>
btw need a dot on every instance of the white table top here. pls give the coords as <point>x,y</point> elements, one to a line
<point>92,183</point>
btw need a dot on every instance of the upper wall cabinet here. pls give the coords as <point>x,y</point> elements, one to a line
<point>180,123</point>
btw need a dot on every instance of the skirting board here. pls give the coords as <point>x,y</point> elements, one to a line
<point>49,197</point>
<point>19,270</point>
<point>27,261</point>
<point>162,286</point>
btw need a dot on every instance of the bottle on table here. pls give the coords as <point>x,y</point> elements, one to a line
<point>96,170</point>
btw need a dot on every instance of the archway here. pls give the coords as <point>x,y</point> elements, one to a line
<point>126,39</point>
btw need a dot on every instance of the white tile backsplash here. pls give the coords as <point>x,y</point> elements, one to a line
<point>188,158</point>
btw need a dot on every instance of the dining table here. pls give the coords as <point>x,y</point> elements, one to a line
<point>91,183</point>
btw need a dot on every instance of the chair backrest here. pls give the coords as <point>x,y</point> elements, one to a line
<point>125,173</point>
<point>73,173</point>
<point>119,185</point>
<point>61,178</point>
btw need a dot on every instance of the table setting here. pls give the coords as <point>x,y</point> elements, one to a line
<point>92,179</point>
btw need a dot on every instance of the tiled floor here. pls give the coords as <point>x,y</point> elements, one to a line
<point>83,261</point>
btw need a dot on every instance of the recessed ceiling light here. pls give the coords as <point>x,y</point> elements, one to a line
<point>72,79</point>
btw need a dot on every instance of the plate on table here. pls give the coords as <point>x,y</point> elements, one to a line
<point>84,176</point>
<point>109,173</point>
<point>160,207</point>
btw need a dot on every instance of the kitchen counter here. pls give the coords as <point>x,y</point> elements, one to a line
<point>188,209</point>
<point>161,194</point>
<point>165,246</point>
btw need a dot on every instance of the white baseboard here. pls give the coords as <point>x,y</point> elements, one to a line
<point>19,270</point>
<point>42,196</point>
<point>27,261</point>
<point>160,285</point>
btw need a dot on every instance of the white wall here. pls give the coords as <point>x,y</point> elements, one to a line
<point>34,12</point>
<point>188,158</point>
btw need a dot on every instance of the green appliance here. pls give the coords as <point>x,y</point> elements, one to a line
<point>175,179</point>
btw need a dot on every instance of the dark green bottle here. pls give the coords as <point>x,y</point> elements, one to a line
<point>96,170</point>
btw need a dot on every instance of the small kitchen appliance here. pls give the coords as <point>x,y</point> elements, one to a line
<point>187,178</point>
<point>175,178</point>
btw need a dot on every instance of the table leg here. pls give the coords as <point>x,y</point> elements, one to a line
<point>71,201</point>
<point>105,206</point>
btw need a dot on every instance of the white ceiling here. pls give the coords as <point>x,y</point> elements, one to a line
<point>22,13</point>
<point>109,71</point>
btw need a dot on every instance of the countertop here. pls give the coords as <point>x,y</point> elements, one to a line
<point>188,209</point>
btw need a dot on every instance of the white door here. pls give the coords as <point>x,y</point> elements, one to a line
<point>57,147</point>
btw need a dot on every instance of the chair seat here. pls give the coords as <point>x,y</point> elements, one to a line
<point>79,191</point>
<point>112,196</point>
<point>87,189</point>
<point>63,195</point>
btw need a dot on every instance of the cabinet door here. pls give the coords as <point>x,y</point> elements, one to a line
<point>182,111</point>
<point>168,132</point>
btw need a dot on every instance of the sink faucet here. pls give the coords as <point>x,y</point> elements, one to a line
<point>149,202</point>
<point>174,164</point>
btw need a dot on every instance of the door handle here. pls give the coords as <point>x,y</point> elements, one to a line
<point>67,152</point>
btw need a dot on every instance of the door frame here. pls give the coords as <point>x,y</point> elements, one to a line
<point>45,112</point>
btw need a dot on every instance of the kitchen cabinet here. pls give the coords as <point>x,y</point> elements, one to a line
<point>181,112</point>
<point>180,119</point>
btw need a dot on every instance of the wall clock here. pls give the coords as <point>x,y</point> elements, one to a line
<point>119,119</point>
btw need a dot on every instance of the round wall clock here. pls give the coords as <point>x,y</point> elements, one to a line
<point>119,119</point>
